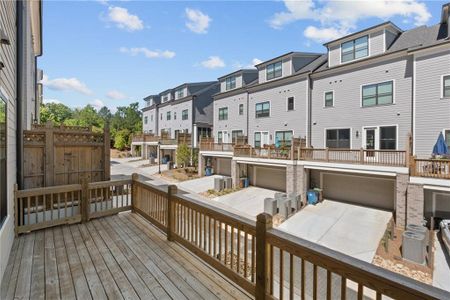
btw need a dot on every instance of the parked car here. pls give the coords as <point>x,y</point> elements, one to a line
<point>445,233</point>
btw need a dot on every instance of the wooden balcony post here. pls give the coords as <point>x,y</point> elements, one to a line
<point>361,155</point>
<point>327,154</point>
<point>84,201</point>
<point>16,210</point>
<point>134,178</point>
<point>171,190</point>
<point>263,223</point>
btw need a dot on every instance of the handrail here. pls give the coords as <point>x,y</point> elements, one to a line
<point>433,167</point>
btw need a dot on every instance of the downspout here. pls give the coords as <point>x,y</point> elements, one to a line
<point>248,116</point>
<point>19,90</point>
<point>309,139</point>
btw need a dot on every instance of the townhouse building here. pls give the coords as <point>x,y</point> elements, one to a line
<point>20,45</point>
<point>369,111</point>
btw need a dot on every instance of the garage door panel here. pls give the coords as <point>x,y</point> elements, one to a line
<point>362,190</point>
<point>223,166</point>
<point>269,178</point>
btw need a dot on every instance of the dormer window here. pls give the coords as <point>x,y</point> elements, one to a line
<point>274,70</point>
<point>230,83</point>
<point>166,98</point>
<point>180,93</point>
<point>355,49</point>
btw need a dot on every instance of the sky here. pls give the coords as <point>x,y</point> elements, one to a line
<point>112,53</point>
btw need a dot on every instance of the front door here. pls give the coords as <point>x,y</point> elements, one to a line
<point>265,138</point>
<point>370,141</point>
<point>225,137</point>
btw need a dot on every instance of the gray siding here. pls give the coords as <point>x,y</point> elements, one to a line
<point>376,43</point>
<point>347,111</point>
<point>390,37</point>
<point>286,70</point>
<point>280,119</point>
<point>178,123</point>
<point>223,87</point>
<point>334,55</point>
<point>151,125</point>
<point>432,113</point>
<point>235,121</point>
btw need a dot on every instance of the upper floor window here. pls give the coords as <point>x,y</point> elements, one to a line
<point>230,83</point>
<point>223,113</point>
<point>262,109</point>
<point>446,86</point>
<point>355,49</point>
<point>175,115</point>
<point>388,138</point>
<point>184,114</point>
<point>329,99</point>
<point>241,109</point>
<point>219,137</point>
<point>378,94</point>
<point>447,138</point>
<point>166,98</point>
<point>338,138</point>
<point>145,120</point>
<point>290,103</point>
<point>180,93</point>
<point>168,116</point>
<point>273,70</point>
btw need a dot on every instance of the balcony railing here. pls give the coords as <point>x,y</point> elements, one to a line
<point>266,262</point>
<point>211,146</point>
<point>182,138</point>
<point>433,168</point>
<point>145,137</point>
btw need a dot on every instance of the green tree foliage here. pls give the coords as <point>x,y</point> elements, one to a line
<point>121,139</point>
<point>183,155</point>
<point>55,112</point>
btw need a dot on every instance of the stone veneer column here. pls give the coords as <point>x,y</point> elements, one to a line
<point>235,173</point>
<point>291,179</point>
<point>414,213</point>
<point>201,164</point>
<point>296,180</point>
<point>401,187</point>
<point>302,182</point>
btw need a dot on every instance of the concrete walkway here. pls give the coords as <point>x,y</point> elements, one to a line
<point>350,229</point>
<point>441,274</point>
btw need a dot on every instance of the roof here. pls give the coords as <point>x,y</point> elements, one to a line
<point>312,66</point>
<point>289,54</point>
<point>194,84</point>
<point>420,37</point>
<point>238,72</point>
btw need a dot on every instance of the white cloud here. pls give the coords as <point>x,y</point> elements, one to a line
<point>148,53</point>
<point>213,62</point>
<point>197,21</point>
<point>66,84</point>
<point>338,18</point>
<point>123,19</point>
<point>256,61</point>
<point>238,65</point>
<point>97,103</point>
<point>116,95</point>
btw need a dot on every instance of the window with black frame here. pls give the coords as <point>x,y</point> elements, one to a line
<point>284,138</point>
<point>447,138</point>
<point>388,138</point>
<point>235,134</point>
<point>257,139</point>
<point>223,113</point>
<point>274,70</point>
<point>184,114</point>
<point>3,162</point>
<point>338,138</point>
<point>262,109</point>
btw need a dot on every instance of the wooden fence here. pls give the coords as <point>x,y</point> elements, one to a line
<point>266,262</point>
<point>59,155</point>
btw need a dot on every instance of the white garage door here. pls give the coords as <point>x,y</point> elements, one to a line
<point>268,177</point>
<point>223,166</point>
<point>377,192</point>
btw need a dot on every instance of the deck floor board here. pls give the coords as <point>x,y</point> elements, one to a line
<point>116,257</point>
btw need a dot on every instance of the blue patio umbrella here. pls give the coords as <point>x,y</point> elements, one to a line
<point>440,148</point>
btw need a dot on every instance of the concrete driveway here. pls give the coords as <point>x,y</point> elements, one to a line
<point>350,229</point>
<point>198,185</point>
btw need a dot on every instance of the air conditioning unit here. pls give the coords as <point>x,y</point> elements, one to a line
<point>218,183</point>
<point>413,247</point>
<point>228,183</point>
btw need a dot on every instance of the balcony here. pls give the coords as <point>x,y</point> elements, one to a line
<point>431,168</point>
<point>208,144</point>
<point>172,246</point>
<point>182,138</point>
<point>144,137</point>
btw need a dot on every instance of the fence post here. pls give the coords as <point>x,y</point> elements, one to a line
<point>16,210</point>
<point>106,153</point>
<point>327,154</point>
<point>361,155</point>
<point>171,190</point>
<point>84,207</point>
<point>134,178</point>
<point>263,223</point>
<point>49,169</point>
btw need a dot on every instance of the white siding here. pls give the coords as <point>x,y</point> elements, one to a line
<point>376,43</point>
<point>235,121</point>
<point>151,125</point>
<point>334,55</point>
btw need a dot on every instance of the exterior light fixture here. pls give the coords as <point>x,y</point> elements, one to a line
<point>4,38</point>
<point>357,133</point>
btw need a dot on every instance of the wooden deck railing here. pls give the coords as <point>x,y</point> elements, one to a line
<point>269,152</point>
<point>434,168</point>
<point>266,262</point>
<point>211,146</point>
<point>145,137</point>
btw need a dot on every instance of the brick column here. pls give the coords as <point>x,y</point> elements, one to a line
<point>291,179</point>
<point>297,180</point>
<point>201,165</point>
<point>414,213</point>
<point>401,186</point>
<point>302,182</point>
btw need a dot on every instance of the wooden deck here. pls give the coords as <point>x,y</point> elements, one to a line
<point>121,256</point>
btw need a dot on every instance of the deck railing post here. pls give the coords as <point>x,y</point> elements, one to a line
<point>85,203</point>
<point>263,223</point>
<point>171,190</point>
<point>361,155</point>
<point>134,178</point>
<point>327,154</point>
<point>16,210</point>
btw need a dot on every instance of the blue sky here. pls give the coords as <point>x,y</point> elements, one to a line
<point>116,52</point>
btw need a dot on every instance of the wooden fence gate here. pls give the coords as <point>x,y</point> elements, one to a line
<point>60,155</point>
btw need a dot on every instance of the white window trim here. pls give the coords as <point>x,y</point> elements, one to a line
<point>260,131</point>
<point>331,128</point>
<point>442,86</point>
<point>243,109</point>
<point>283,130</point>
<point>275,62</point>
<point>218,113</point>
<point>356,59</point>
<point>377,105</point>
<point>270,109</point>
<point>287,103</point>
<point>324,93</point>
<point>377,137</point>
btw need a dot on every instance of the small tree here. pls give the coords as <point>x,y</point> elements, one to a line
<point>195,158</point>
<point>183,155</point>
<point>120,142</point>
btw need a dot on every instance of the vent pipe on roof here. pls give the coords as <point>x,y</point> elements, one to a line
<point>445,17</point>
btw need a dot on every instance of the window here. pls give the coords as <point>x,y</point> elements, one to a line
<point>219,137</point>
<point>257,139</point>
<point>338,138</point>
<point>284,137</point>
<point>230,83</point>
<point>151,118</point>
<point>329,101</point>
<point>446,86</point>
<point>3,162</point>
<point>168,116</point>
<point>263,109</point>
<point>180,93</point>
<point>145,120</point>
<point>355,49</point>
<point>223,113</point>
<point>241,109</point>
<point>378,94</point>
<point>274,70</point>
<point>447,138</point>
<point>175,115</point>
<point>235,134</point>
<point>290,103</point>
<point>166,98</point>
<point>388,138</point>
<point>184,114</point>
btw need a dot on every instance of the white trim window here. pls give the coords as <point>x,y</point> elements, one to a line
<point>284,137</point>
<point>165,98</point>
<point>446,86</point>
<point>274,70</point>
<point>235,134</point>
<point>388,137</point>
<point>290,104</point>
<point>168,116</point>
<point>180,93</point>
<point>230,83</point>
<point>262,109</point>
<point>338,138</point>
<point>328,99</point>
<point>355,49</point>
<point>223,113</point>
<point>184,114</point>
<point>219,137</point>
<point>261,138</point>
<point>145,120</point>
<point>377,94</point>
